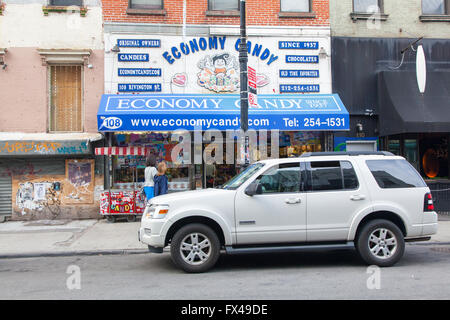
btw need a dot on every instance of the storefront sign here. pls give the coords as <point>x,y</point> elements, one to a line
<point>139,87</point>
<point>312,45</point>
<point>15,148</point>
<point>161,112</point>
<point>139,72</point>
<point>133,57</point>
<point>299,88</point>
<point>216,43</point>
<point>302,59</point>
<point>139,43</point>
<point>210,64</point>
<point>299,73</point>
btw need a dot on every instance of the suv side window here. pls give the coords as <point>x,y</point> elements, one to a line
<point>331,175</point>
<point>395,174</point>
<point>325,175</point>
<point>281,178</point>
<point>350,178</point>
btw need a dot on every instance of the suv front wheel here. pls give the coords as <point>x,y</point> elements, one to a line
<point>380,243</point>
<point>195,248</point>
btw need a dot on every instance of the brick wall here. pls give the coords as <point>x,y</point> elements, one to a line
<point>259,12</point>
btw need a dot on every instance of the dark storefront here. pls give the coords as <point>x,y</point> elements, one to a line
<point>383,99</point>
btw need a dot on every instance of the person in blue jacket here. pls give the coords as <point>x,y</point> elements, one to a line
<point>161,181</point>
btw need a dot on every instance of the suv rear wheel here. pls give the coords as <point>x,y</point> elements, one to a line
<point>195,248</point>
<point>380,243</point>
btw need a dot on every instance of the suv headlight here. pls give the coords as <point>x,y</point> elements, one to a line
<point>158,211</point>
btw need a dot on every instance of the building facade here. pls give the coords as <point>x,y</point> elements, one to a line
<point>51,79</point>
<point>164,55</point>
<point>375,48</point>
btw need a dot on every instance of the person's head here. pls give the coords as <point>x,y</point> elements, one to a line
<point>162,168</point>
<point>219,60</point>
<point>151,160</point>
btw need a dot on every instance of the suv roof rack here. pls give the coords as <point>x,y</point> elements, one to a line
<point>347,153</point>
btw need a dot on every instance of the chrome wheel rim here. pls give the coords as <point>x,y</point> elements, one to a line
<point>195,248</point>
<point>382,243</point>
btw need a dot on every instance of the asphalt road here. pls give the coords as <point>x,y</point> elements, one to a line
<point>423,273</point>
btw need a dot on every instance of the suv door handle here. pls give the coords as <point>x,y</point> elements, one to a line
<point>357,197</point>
<point>293,200</point>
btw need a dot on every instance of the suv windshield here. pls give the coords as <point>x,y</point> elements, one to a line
<point>239,179</point>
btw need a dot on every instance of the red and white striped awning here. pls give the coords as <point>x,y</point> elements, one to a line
<point>121,151</point>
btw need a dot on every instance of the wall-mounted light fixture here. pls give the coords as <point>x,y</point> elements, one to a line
<point>323,53</point>
<point>359,128</point>
<point>115,48</point>
<point>3,52</point>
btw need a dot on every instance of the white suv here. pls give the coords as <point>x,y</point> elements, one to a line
<point>373,201</point>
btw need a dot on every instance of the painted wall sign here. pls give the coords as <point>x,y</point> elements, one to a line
<point>216,43</point>
<point>133,56</point>
<point>193,46</point>
<point>301,59</point>
<point>292,88</point>
<point>299,73</point>
<point>298,45</point>
<point>210,64</point>
<point>139,43</point>
<point>256,50</point>
<point>139,72</point>
<point>139,87</point>
<point>44,147</point>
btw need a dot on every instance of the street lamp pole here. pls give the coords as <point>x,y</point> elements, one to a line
<point>243,59</point>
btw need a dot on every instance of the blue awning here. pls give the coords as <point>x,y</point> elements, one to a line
<point>167,112</point>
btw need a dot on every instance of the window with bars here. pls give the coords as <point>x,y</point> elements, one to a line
<point>146,4</point>
<point>65,98</point>
<point>295,6</point>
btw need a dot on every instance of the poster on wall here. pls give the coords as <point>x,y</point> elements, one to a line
<point>79,186</point>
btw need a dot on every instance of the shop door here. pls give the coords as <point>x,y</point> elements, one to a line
<point>5,194</point>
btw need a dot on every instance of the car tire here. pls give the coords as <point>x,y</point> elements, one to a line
<point>111,219</point>
<point>195,248</point>
<point>381,243</point>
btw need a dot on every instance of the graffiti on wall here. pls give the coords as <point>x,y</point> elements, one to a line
<point>26,170</point>
<point>44,147</point>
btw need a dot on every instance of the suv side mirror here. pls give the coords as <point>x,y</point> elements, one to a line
<point>254,188</point>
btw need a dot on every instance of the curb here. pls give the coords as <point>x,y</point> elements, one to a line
<point>429,243</point>
<point>134,251</point>
<point>74,253</point>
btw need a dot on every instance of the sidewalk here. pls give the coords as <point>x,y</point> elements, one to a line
<point>59,237</point>
<point>90,237</point>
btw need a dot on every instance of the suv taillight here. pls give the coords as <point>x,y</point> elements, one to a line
<point>428,203</point>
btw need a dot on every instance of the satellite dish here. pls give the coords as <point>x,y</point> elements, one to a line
<point>421,69</point>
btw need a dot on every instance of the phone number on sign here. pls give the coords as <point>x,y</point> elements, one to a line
<point>329,122</point>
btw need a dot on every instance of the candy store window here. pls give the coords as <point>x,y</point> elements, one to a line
<point>295,143</point>
<point>129,170</point>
